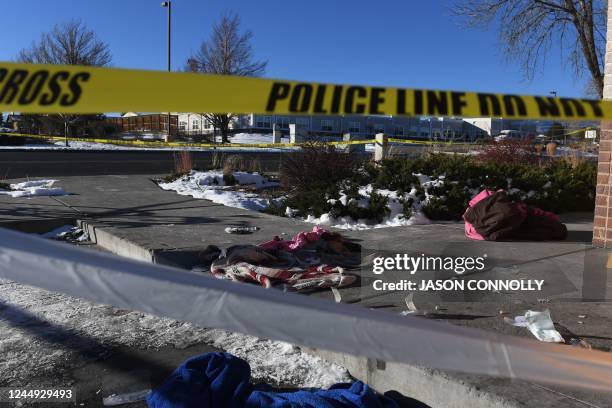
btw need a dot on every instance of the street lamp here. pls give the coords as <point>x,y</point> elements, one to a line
<point>168,5</point>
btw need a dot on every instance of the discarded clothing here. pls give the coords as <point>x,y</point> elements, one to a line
<point>470,231</point>
<point>301,239</point>
<point>222,380</point>
<point>492,216</point>
<point>295,271</point>
<point>318,239</point>
<point>539,324</point>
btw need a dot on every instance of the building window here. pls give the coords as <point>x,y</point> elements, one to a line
<point>399,131</point>
<point>327,125</point>
<point>354,127</point>
<point>264,122</point>
<point>195,125</point>
<point>182,125</point>
<point>282,122</point>
<point>302,122</point>
<point>378,128</point>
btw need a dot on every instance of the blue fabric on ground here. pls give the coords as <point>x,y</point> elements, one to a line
<point>215,380</point>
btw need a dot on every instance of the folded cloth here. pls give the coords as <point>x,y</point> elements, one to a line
<point>318,239</point>
<point>298,271</point>
<point>297,242</point>
<point>215,380</point>
<point>293,278</point>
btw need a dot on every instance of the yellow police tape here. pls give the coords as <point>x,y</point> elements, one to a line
<point>80,89</point>
<point>161,144</point>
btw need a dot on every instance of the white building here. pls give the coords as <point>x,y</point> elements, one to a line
<point>436,128</point>
<point>494,126</point>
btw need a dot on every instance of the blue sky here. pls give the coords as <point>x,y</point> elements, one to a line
<point>408,43</point>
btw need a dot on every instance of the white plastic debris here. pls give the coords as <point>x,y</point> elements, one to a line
<point>411,307</point>
<point>337,295</point>
<point>241,230</point>
<point>128,398</point>
<point>539,324</point>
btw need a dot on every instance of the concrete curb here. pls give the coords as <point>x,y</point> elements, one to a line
<point>432,387</point>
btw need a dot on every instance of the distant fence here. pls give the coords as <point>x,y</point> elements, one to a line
<point>162,144</point>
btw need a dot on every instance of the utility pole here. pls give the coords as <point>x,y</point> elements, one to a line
<point>168,5</point>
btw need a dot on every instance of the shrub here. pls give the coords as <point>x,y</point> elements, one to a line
<point>509,151</point>
<point>557,185</point>
<point>238,162</point>
<point>317,167</point>
<point>183,162</point>
<point>447,202</point>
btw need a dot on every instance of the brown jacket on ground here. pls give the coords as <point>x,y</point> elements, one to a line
<point>497,218</point>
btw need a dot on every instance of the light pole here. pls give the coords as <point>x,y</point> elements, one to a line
<point>168,5</point>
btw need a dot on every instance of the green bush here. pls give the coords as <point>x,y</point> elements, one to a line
<point>558,186</point>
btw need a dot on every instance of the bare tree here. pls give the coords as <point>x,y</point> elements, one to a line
<point>227,52</point>
<point>71,43</point>
<point>530,28</point>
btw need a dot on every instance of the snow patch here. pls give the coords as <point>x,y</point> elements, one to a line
<point>30,315</point>
<point>211,185</point>
<point>34,188</point>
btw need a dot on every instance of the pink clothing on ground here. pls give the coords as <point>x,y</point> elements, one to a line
<point>297,242</point>
<point>470,231</point>
<point>538,212</point>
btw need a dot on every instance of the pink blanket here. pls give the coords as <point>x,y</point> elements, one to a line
<point>297,242</point>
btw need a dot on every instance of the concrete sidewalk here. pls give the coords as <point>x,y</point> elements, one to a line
<point>131,216</point>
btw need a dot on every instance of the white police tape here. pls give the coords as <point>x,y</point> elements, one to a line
<point>302,320</point>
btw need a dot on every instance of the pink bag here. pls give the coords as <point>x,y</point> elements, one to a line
<point>470,231</point>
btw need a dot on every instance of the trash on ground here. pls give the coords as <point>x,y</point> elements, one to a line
<point>539,324</point>
<point>127,398</point>
<point>241,230</point>
<point>33,188</point>
<point>68,233</point>
<point>493,216</point>
<point>337,295</point>
<point>411,307</point>
<point>310,261</point>
<point>224,380</point>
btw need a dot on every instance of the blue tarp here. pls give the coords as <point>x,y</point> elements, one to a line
<point>215,380</point>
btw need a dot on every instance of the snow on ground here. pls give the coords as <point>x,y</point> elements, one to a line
<point>395,218</point>
<point>34,188</point>
<point>41,332</point>
<point>211,186</point>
